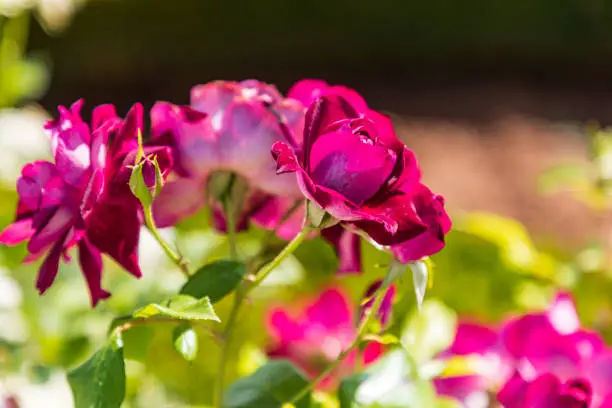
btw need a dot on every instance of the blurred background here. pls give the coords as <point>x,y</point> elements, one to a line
<point>502,102</point>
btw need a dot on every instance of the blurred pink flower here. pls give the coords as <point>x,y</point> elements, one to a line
<point>316,336</point>
<point>539,357</point>
<point>83,199</point>
<point>546,391</point>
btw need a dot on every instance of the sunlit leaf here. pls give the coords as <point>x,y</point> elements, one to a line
<point>180,307</point>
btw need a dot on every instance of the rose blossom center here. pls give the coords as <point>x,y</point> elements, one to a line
<point>351,163</point>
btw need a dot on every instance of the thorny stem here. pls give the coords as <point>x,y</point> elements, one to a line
<point>361,332</point>
<point>239,298</point>
<point>176,258</point>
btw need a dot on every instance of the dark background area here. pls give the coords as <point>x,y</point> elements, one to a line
<point>439,58</point>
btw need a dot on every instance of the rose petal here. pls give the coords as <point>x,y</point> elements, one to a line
<point>48,269</point>
<point>91,264</point>
<point>17,232</point>
<point>213,97</point>
<point>113,227</point>
<point>126,138</point>
<point>308,90</point>
<point>473,339</point>
<point>283,327</point>
<point>34,178</point>
<point>101,114</point>
<point>430,209</point>
<point>330,311</point>
<point>322,113</point>
<point>352,165</point>
<point>191,135</point>
<point>391,221</point>
<point>562,314</point>
<point>347,246</point>
<point>55,227</point>
<point>178,200</point>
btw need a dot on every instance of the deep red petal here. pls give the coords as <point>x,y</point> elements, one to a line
<point>48,269</point>
<point>347,246</point>
<point>114,228</point>
<point>91,264</point>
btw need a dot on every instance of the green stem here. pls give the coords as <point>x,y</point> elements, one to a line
<point>287,250</point>
<point>239,298</point>
<point>361,332</point>
<point>230,220</point>
<point>225,348</point>
<point>176,258</point>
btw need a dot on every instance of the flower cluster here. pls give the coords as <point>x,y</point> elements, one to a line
<point>358,178</point>
<point>537,360</point>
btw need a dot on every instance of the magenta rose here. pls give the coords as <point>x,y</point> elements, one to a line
<point>364,177</point>
<point>83,199</point>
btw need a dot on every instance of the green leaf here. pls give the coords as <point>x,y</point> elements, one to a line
<point>186,341</point>
<point>269,387</point>
<point>180,307</point>
<point>139,187</point>
<point>215,280</point>
<point>348,388</point>
<point>100,381</point>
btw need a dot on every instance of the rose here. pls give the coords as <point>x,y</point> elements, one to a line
<point>83,199</point>
<point>229,127</point>
<point>353,167</point>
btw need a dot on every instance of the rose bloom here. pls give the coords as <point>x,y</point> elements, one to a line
<point>315,336</point>
<point>229,127</point>
<point>83,199</point>
<point>535,360</point>
<point>353,166</point>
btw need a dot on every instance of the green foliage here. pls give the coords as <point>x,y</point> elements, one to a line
<point>100,381</point>
<point>215,280</point>
<point>182,307</point>
<point>270,386</point>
